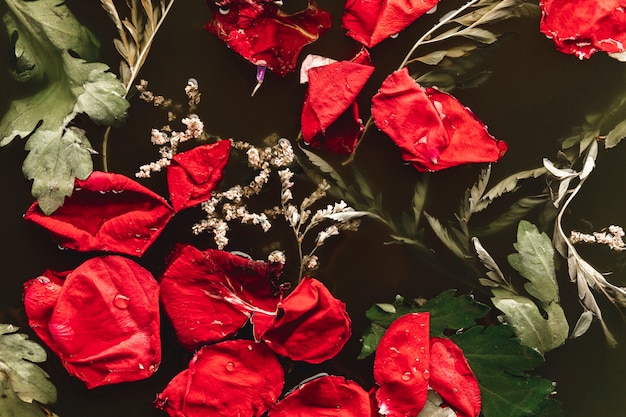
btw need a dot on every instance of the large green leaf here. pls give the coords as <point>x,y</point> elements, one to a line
<point>535,262</point>
<point>19,373</point>
<point>57,82</point>
<point>12,406</point>
<point>500,364</point>
<point>446,312</point>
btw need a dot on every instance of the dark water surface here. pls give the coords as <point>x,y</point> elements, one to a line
<point>534,96</point>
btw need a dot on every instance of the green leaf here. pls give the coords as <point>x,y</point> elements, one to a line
<point>12,406</point>
<point>535,262</point>
<point>51,50</point>
<point>500,364</point>
<point>54,162</point>
<point>447,311</point>
<point>18,372</point>
<point>616,135</point>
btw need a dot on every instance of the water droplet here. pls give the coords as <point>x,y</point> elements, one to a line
<point>121,301</point>
<point>406,376</point>
<point>426,374</point>
<point>230,366</point>
<point>422,349</point>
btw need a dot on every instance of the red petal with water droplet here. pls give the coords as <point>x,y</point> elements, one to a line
<point>325,396</point>
<point>107,212</point>
<point>370,22</point>
<point>210,295</point>
<point>264,35</point>
<point>192,175</point>
<point>401,366</point>
<point>452,378</point>
<point>433,130</point>
<point>584,27</point>
<point>330,116</point>
<point>311,325</point>
<point>102,320</point>
<point>232,378</point>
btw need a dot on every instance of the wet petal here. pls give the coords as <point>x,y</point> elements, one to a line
<point>330,117</point>
<point>584,27</point>
<point>193,174</point>
<point>107,212</point>
<point>311,325</point>
<point>102,320</point>
<point>210,295</point>
<point>325,396</point>
<point>401,366</point>
<point>452,378</point>
<point>232,378</point>
<point>433,130</point>
<point>264,35</point>
<point>369,22</point>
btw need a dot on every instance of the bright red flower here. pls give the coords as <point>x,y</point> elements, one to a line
<point>370,22</point>
<point>264,35</point>
<point>232,378</point>
<point>325,396</point>
<point>584,27</point>
<point>402,366</point>
<point>433,130</point>
<point>106,212</point>
<point>311,325</point>
<point>192,175</point>
<point>452,378</point>
<point>102,320</point>
<point>210,295</point>
<point>330,116</point>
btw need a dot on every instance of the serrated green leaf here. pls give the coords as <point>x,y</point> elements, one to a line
<point>54,160</point>
<point>12,406</point>
<point>616,135</point>
<point>444,235</point>
<point>513,215</point>
<point>447,311</point>
<point>18,370</point>
<point>534,261</point>
<point>500,364</point>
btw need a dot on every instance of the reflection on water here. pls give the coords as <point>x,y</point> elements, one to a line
<point>533,97</point>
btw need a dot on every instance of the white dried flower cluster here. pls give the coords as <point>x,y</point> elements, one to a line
<point>166,138</point>
<point>230,205</point>
<point>277,257</point>
<point>193,93</point>
<point>311,262</point>
<point>613,237</point>
<point>219,228</point>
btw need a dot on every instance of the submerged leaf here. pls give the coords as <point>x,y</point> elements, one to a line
<point>51,49</point>
<point>500,364</point>
<point>20,375</point>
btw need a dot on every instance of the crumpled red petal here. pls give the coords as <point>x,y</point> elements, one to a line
<point>210,295</point>
<point>311,325</point>
<point>433,130</point>
<point>102,320</point>
<point>325,396</point>
<point>452,378</point>
<point>232,378</point>
<point>106,212</point>
<point>370,22</point>
<point>192,175</point>
<point>584,27</point>
<point>264,35</point>
<point>401,366</point>
<point>330,116</point>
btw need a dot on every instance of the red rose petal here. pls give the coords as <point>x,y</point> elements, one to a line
<point>102,321</point>
<point>210,295</point>
<point>325,396</point>
<point>264,35</point>
<point>192,175</point>
<point>433,130</point>
<point>401,366</point>
<point>232,378</point>
<point>311,326</point>
<point>452,378</point>
<point>326,120</point>
<point>584,27</point>
<point>106,212</point>
<point>370,22</point>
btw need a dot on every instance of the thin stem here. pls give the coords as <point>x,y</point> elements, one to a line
<point>441,23</point>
